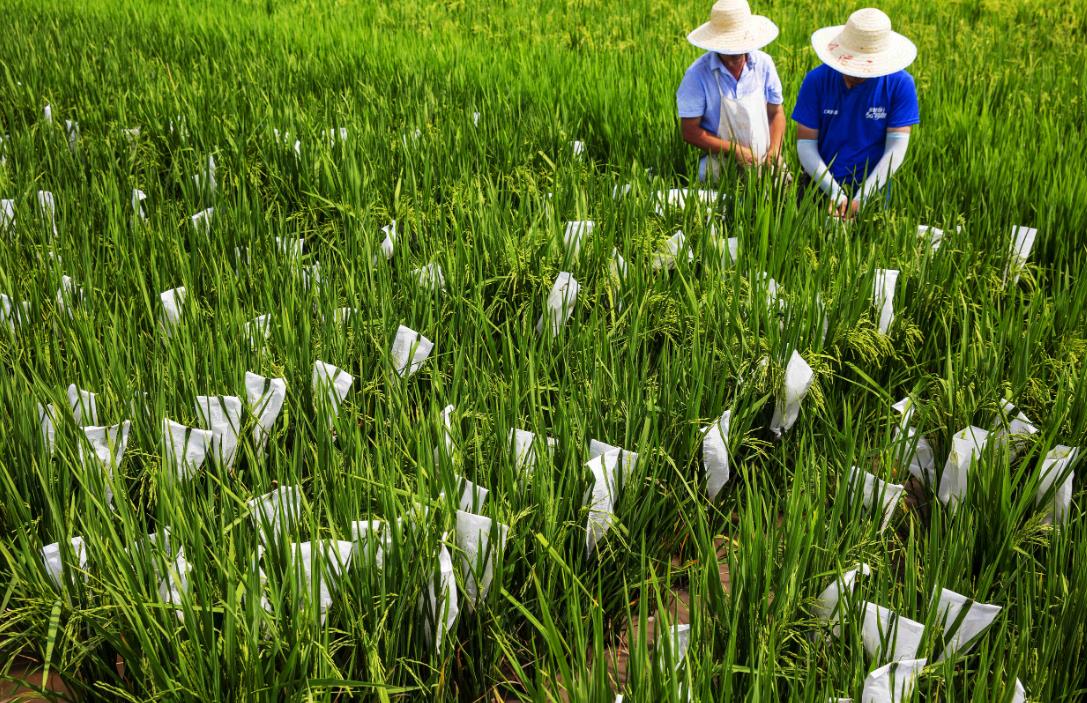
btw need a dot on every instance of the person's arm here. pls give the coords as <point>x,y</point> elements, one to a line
<point>776,115</point>
<point>894,153</point>
<point>696,136</point>
<point>807,147</point>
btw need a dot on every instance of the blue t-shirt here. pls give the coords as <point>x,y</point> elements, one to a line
<point>853,122</point>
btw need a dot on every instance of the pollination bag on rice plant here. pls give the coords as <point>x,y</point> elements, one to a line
<point>559,305</point>
<point>573,239</point>
<point>673,248</point>
<point>679,641</point>
<point>888,636</point>
<point>47,208</point>
<point>83,406</point>
<point>47,420</point>
<point>578,147</point>
<point>892,683</point>
<point>290,248</point>
<point>770,290</point>
<point>1022,243</point>
<point>222,414</point>
<point>477,554</point>
<point>13,313</point>
<point>883,297</point>
<point>912,449</point>
<point>54,562</point>
<point>275,511</point>
<point>523,444</point>
<point>966,447</point>
<point>876,493</point>
<point>205,179</point>
<point>7,215</point>
<point>472,496</point>
<point>828,605</point>
<point>265,397</point>
<point>334,135</point>
<point>138,196</point>
<point>934,235</point>
<point>311,277</point>
<point>202,219</point>
<point>962,620</point>
<point>106,446</point>
<point>440,600</point>
<point>131,134</point>
<point>1020,694</point>
<point>47,114</point>
<point>601,498</point>
<point>798,379</point>
<point>173,301</point>
<point>447,446</point>
<point>175,582</point>
<point>1056,467</point>
<point>258,330</point>
<point>430,277</point>
<point>410,349</point>
<point>284,138</point>
<point>330,387</point>
<point>1011,429</point>
<point>627,459</point>
<point>321,565</point>
<point>388,244</point>
<point>68,295</point>
<point>620,191</point>
<point>475,119</point>
<point>715,455</point>
<point>342,316</point>
<point>372,540</point>
<point>186,448</point>
<point>71,129</point>
<point>676,199</point>
<point>617,268</point>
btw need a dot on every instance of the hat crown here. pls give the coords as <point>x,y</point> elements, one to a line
<point>729,15</point>
<point>868,31</point>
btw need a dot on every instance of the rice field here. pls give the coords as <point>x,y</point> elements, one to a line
<point>391,352</point>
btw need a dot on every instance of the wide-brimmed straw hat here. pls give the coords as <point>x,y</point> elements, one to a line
<point>865,46</point>
<point>732,29</point>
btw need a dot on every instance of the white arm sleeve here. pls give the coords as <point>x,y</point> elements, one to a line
<point>894,153</point>
<point>814,166</point>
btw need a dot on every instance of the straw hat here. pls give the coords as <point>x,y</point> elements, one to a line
<point>865,46</point>
<point>732,29</point>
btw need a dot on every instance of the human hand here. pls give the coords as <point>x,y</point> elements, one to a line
<point>743,155</point>
<point>838,208</point>
<point>853,209</point>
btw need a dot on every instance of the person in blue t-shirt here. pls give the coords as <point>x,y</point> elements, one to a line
<point>854,113</point>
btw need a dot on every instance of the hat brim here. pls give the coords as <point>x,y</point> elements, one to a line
<point>759,32</point>
<point>899,54</point>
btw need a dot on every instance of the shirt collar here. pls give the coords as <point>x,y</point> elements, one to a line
<point>717,65</point>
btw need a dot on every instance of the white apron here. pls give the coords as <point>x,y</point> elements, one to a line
<point>743,121</point>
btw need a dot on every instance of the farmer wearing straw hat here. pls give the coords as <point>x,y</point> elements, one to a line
<point>730,103</point>
<point>854,112</point>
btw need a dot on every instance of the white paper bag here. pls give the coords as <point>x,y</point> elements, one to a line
<point>617,268</point>
<point>173,301</point>
<point>665,259</point>
<point>677,198</point>
<point>430,277</point>
<point>206,178</point>
<point>284,138</point>
<point>523,444</point>
<point>1055,465</point>
<point>679,639</point>
<point>388,244</point>
<point>1020,694</point>
<point>290,248</point>
<point>13,313</point>
<point>888,636</point>
<point>265,397</point>
<point>578,148</point>
<point>7,215</point>
<point>138,196</point>
<point>477,556</point>
<point>892,683</point>
<point>54,564</point>
<point>966,447</point>
<point>410,349</point>
<point>343,316</point>
<point>175,582</point>
<point>83,406</point>
<point>960,636</point>
<point>311,277</point>
<point>222,414</point>
<point>441,599</point>
<point>912,449</point>
<point>372,539</point>
<point>336,134</point>
<point>883,297</point>
<point>47,206</point>
<point>1011,429</point>
<point>798,379</point>
<point>602,497</point>
<point>475,119</point>
<point>934,235</point>
<point>715,455</point>
<point>106,446</point>
<point>68,295</point>
<point>47,114</point>
<point>447,445</point>
<point>472,496</point>
<point>275,511</point>
<point>1022,243</point>
<point>577,231</point>
<point>620,191</point>
<point>627,459</point>
<point>258,330</point>
<point>560,304</point>
<point>330,387</point>
<point>876,493</point>
<point>47,420</point>
<point>828,604</point>
<point>320,564</point>
<point>186,448</point>
<point>202,219</point>
<point>71,128</point>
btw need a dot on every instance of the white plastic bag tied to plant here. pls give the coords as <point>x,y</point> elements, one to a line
<point>628,460</point>
<point>222,414</point>
<point>679,641</point>
<point>523,444</point>
<point>477,554</point>
<point>876,493</point>
<point>265,397</point>
<point>201,221</point>
<point>173,301</point>
<point>275,511</point>
<point>440,601</point>
<point>578,147</point>
<point>962,621</point>
<point>430,277</point>
<point>47,207</point>
<point>258,330</point>
<point>1019,695</point>
<point>138,196</point>
<point>888,636</point>
<point>83,405</point>
<point>372,540</point>
<point>472,496</point>
<point>106,447</point>
<point>388,244</point>
<point>71,129</point>
<point>1056,467</point>
<point>68,295</point>
<point>798,380</point>
<point>966,446</point>
<point>665,259</point>
<point>290,248</point>
<point>1011,429</point>
<point>828,605</point>
<point>912,449</point>
<point>559,306</point>
<point>573,239</point>
<point>186,448</point>
<point>892,683</point>
<point>47,420</point>
<point>205,179</point>
<point>410,349</point>
<point>47,114</point>
<point>715,455</point>
<point>1022,243</point>
<point>54,562</point>
<point>320,566</point>
<point>883,297</point>
<point>601,498</point>
<point>330,387</point>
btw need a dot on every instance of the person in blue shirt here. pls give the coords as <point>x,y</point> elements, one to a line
<point>730,102</point>
<point>854,112</point>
